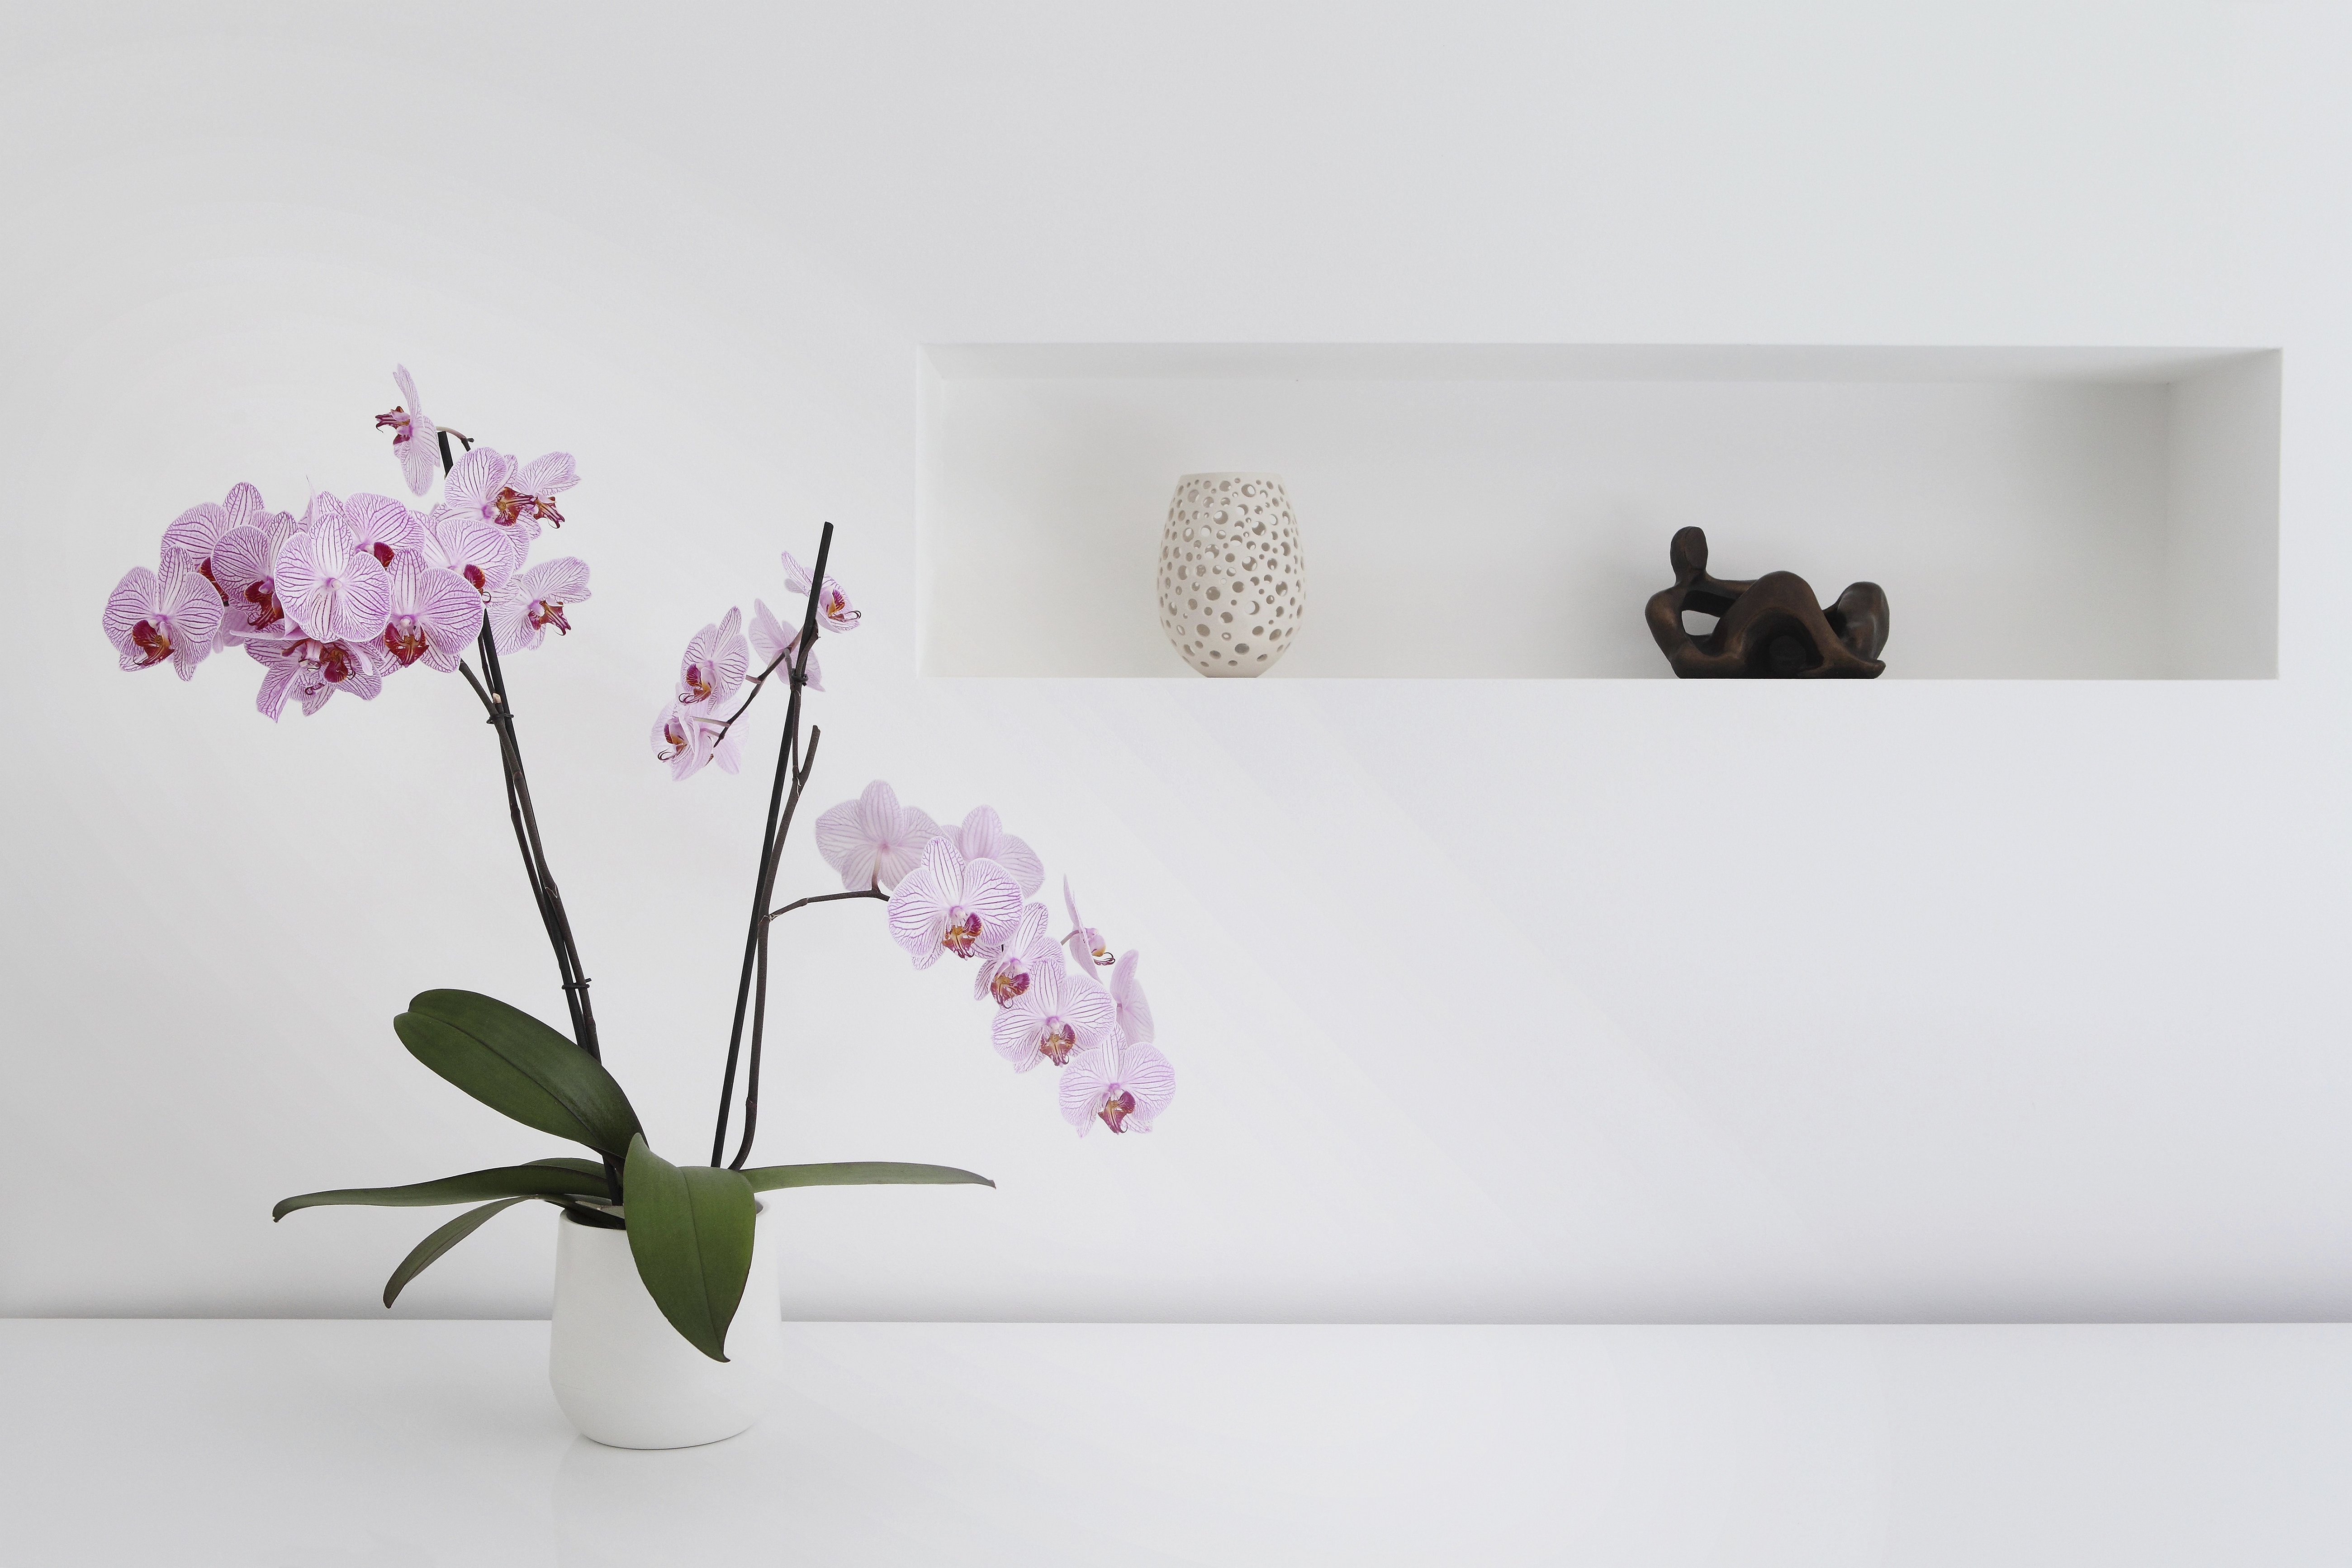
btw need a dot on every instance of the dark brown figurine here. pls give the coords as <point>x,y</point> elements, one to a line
<point>1771,629</point>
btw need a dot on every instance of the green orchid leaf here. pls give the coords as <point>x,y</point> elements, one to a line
<point>690,1233</point>
<point>541,1178</point>
<point>860,1173</point>
<point>430,1249</point>
<point>518,1067</point>
<point>585,1167</point>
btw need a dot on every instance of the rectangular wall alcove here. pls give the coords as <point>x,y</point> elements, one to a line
<point>1504,510</point>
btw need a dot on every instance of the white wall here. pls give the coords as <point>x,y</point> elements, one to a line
<point>1490,1000</point>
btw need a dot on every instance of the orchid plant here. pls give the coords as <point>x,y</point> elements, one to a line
<point>362,588</point>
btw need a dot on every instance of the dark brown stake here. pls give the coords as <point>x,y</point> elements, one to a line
<point>1771,628</point>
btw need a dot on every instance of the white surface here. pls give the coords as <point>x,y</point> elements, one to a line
<point>300,1444</point>
<point>625,1376</point>
<point>1576,999</point>
<point>1503,511</point>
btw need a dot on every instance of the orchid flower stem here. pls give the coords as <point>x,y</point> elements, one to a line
<point>829,899</point>
<point>544,890</point>
<point>759,1000</point>
<point>771,839</point>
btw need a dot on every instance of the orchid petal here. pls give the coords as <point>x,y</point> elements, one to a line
<point>564,578</point>
<point>1134,1012</point>
<point>845,847</point>
<point>770,641</point>
<point>196,530</point>
<point>1144,1073</point>
<point>1087,1006</point>
<point>988,892</point>
<point>1086,1081</point>
<point>275,680</point>
<point>132,601</point>
<point>451,613</point>
<point>242,557</point>
<point>901,856</point>
<point>474,484</point>
<point>420,458</point>
<point>241,506</point>
<point>982,837</point>
<point>546,476</point>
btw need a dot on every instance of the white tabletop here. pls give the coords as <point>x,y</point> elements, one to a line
<point>398,1445</point>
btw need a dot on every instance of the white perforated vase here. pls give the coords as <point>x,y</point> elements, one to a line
<point>1232,579</point>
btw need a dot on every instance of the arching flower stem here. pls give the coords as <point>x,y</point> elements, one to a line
<point>792,766</point>
<point>500,718</point>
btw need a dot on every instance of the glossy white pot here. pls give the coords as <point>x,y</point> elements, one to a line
<point>626,1378</point>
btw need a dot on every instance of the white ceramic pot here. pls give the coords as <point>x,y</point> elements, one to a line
<point>1233,578</point>
<point>626,1378</point>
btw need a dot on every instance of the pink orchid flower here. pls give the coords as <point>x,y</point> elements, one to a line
<point>1086,943</point>
<point>335,590</point>
<point>477,490</point>
<point>713,664</point>
<point>521,616</point>
<point>1134,1012</point>
<point>435,614</point>
<point>486,486</point>
<point>1006,967</point>
<point>947,904</point>
<point>873,841</point>
<point>686,739</point>
<point>537,484</point>
<point>384,528</point>
<point>1059,1012</point>
<point>245,568</point>
<point>1122,1084</point>
<point>832,605</point>
<point>173,614</point>
<point>415,439</point>
<point>771,642</point>
<point>198,531</point>
<point>311,671</point>
<point>483,555</point>
<point>982,838</point>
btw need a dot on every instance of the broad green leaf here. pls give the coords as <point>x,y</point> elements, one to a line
<point>690,1233</point>
<point>585,1167</point>
<point>430,1249</point>
<point>859,1174</point>
<point>518,1066</point>
<point>540,1179</point>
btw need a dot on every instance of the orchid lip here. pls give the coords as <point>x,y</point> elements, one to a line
<point>153,640</point>
<point>962,933</point>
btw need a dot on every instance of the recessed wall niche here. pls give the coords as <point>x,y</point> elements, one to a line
<point>1503,511</point>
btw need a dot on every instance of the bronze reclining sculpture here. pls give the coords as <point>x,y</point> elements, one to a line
<point>1772,627</point>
